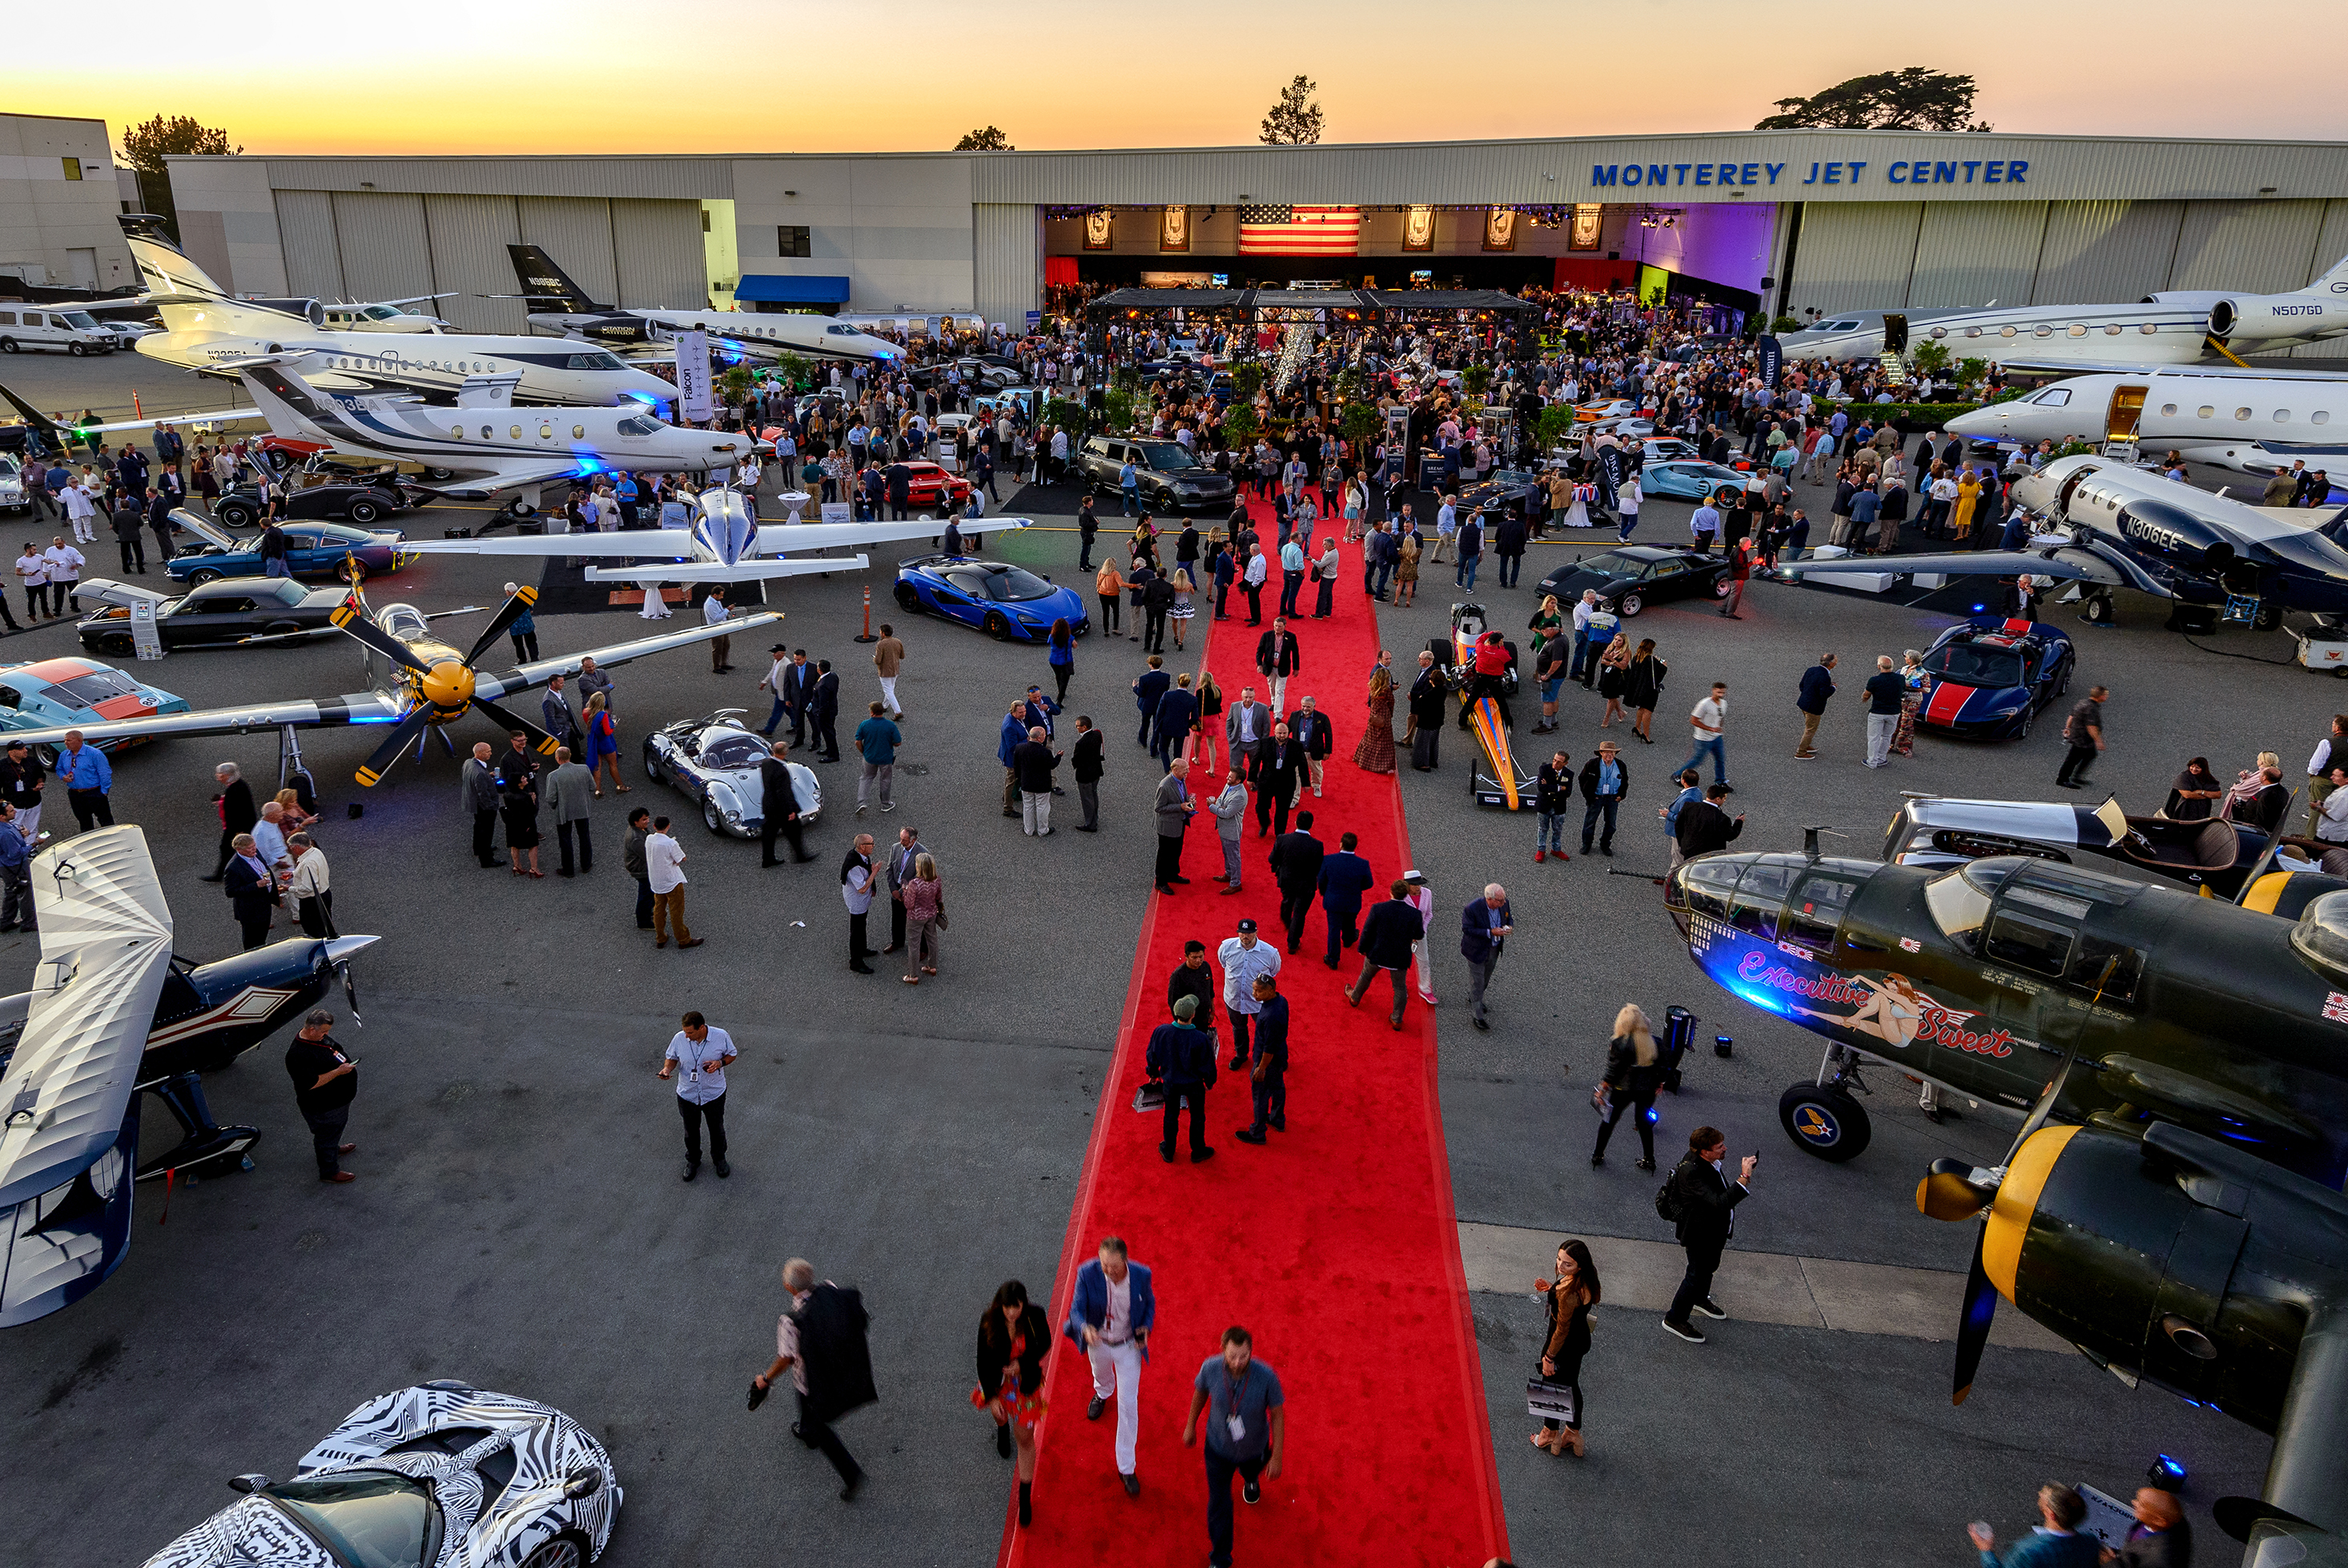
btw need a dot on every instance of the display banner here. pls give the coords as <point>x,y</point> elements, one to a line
<point>693,391</point>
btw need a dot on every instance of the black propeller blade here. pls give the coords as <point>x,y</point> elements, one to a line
<point>539,739</point>
<point>1972,1327</point>
<point>351,992</point>
<point>402,733</point>
<point>352,617</point>
<point>512,609</point>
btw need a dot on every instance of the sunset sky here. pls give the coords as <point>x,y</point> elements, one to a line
<point>602,76</point>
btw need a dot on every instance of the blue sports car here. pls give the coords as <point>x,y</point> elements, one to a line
<point>1694,480</point>
<point>1992,677</point>
<point>312,549</point>
<point>70,691</point>
<point>1004,600</point>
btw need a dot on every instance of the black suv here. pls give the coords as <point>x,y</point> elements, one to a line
<point>1170,478</point>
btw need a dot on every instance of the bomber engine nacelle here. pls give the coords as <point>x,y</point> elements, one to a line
<point>2260,316</point>
<point>2175,534</point>
<point>2178,1258</point>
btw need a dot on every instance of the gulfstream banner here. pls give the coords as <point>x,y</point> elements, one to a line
<point>1917,171</point>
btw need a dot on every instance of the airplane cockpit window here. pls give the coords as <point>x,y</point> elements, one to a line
<point>2052,398</point>
<point>594,361</point>
<point>1709,882</point>
<point>1815,912</point>
<point>402,621</point>
<point>2033,929</point>
<point>1759,902</point>
<point>1960,902</point>
<point>843,332</point>
<point>637,424</point>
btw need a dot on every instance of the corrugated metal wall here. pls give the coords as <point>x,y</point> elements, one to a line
<point>658,248</point>
<point>2330,247</point>
<point>2259,247</point>
<point>469,236</point>
<point>2099,252</point>
<point>1972,252</point>
<point>382,239</point>
<point>1007,263</point>
<point>1860,254</point>
<point>577,233</point>
<point>313,260</point>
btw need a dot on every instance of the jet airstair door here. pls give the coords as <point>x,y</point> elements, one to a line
<point>1895,334</point>
<point>2127,408</point>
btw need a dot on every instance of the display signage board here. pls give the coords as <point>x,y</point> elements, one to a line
<point>838,512</point>
<point>145,640</point>
<point>693,391</point>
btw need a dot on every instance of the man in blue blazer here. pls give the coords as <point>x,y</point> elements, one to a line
<point>1344,878</point>
<point>1484,928</point>
<point>1110,1318</point>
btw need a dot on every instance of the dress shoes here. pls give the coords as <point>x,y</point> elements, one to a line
<point>349,1149</point>
<point>691,941</point>
<point>340,1176</point>
<point>692,1169</point>
<point>1132,1485</point>
<point>717,1164</point>
<point>1200,1156</point>
<point>1244,1136</point>
<point>1095,1407</point>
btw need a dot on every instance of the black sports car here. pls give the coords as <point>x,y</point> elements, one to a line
<point>1507,490</point>
<point>360,501</point>
<point>228,610</point>
<point>1630,577</point>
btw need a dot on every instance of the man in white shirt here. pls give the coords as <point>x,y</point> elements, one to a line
<point>82,505</point>
<point>313,890</point>
<point>1110,1316</point>
<point>64,572</point>
<point>2331,811</point>
<point>1447,530</point>
<point>1243,957</point>
<point>696,1057</point>
<point>269,839</point>
<point>1709,720</point>
<point>33,572</point>
<point>714,612</point>
<point>665,873</point>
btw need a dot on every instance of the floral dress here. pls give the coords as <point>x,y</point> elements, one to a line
<point>1375,752</point>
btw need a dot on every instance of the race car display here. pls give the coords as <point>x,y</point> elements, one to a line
<point>230,610</point>
<point>359,501</point>
<point>1992,677</point>
<point>434,1476</point>
<point>1167,477</point>
<point>1495,779</point>
<point>1630,577</point>
<point>714,759</point>
<point>312,549</point>
<point>1004,600</point>
<point>1695,479</point>
<point>77,691</point>
<point>2212,855</point>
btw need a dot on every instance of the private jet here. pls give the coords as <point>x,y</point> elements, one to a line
<point>2105,525</point>
<point>2251,421</point>
<point>167,269</point>
<point>560,305</point>
<point>2178,327</point>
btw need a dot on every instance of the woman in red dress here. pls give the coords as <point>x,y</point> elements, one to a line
<point>1012,1338</point>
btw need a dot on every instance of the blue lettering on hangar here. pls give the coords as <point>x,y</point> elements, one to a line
<point>1907,171</point>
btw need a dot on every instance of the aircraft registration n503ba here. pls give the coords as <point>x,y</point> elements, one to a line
<point>560,305</point>
<point>2167,328</point>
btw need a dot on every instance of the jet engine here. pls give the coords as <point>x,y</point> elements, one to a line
<point>309,309</point>
<point>2261,316</point>
<point>2174,534</point>
<point>2173,1258</point>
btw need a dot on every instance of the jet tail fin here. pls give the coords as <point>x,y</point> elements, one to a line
<point>546,286</point>
<point>290,404</point>
<point>2334,281</point>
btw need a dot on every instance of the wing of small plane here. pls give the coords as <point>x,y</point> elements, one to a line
<point>106,946</point>
<point>2071,563</point>
<point>749,569</point>
<point>488,480</point>
<point>414,299</point>
<point>659,543</point>
<point>523,677</point>
<point>352,707</point>
<point>775,539</point>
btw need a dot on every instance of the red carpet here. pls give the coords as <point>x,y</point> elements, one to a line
<point>1334,1245</point>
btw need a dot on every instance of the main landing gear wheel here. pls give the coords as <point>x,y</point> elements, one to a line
<point>1825,1122</point>
<point>2268,618</point>
<point>2097,609</point>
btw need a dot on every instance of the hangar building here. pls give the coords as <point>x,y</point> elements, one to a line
<point>1787,221</point>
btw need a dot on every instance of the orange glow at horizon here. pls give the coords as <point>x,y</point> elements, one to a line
<point>435,77</point>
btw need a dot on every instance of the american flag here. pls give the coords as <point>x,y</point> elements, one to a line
<point>1269,230</point>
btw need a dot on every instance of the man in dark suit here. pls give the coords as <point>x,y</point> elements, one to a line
<point>1278,657</point>
<point>1178,711</point>
<point>1817,687</point>
<point>823,712</point>
<point>798,687</point>
<point>1484,928</point>
<point>1428,693</point>
<point>779,808</point>
<point>1387,938</point>
<point>901,491</point>
<point>903,855</point>
<point>1147,690</point>
<point>1086,763</point>
<point>1296,867</point>
<point>1345,877</point>
<point>1279,768</point>
<point>1704,1216</point>
<point>1182,1058</point>
<point>1309,728</point>
<point>1705,826</point>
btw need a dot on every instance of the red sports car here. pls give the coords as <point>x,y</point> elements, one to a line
<point>933,486</point>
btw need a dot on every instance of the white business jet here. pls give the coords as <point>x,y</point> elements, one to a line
<point>557,305</point>
<point>2251,421</point>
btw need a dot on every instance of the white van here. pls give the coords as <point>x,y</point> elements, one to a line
<point>74,330</point>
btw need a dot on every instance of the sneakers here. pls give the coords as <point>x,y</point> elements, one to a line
<point>1687,1331</point>
<point>1711,1308</point>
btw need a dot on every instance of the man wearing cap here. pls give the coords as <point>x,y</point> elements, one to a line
<point>1243,958</point>
<point>1182,1057</point>
<point>21,776</point>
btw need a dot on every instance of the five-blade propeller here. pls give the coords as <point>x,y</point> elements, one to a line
<point>352,617</point>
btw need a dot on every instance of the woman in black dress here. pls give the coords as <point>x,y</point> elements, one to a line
<point>1633,1071</point>
<point>1012,1338</point>
<point>2196,794</point>
<point>1570,1297</point>
<point>1643,687</point>
<point>517,804</point>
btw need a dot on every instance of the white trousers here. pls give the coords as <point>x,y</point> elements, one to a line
<point>888,695</point>
<point>1117,1372</point>
<point>1425,976</point>
<point>1278,693</point>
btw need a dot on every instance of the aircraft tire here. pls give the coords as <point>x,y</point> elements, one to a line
<point>2097,611</point>
<point>1823,1122</point>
